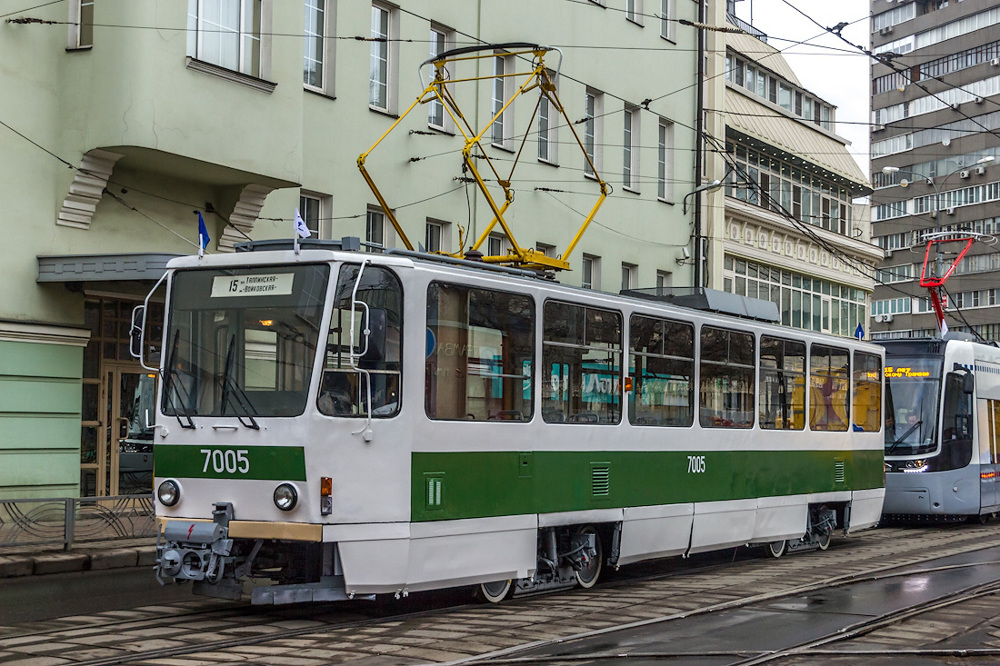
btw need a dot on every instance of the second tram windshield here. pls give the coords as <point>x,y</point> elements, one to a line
<point>241,342</point>
<point>912,397</point>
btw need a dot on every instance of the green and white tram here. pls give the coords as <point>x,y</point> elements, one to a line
<point>346,424</point>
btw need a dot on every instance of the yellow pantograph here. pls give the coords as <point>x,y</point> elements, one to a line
<point>539,78</point>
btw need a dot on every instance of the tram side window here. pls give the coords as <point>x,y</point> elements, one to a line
<point>581,361</point>
<point>782,384</point>
<point>867,392</point>
<point>956,436</point>
<point>344,390</point>
<point>661,364</point>
<point>829,379</point>
<point>480,348</point>
<point>992,412</point>
<point>727,378</point>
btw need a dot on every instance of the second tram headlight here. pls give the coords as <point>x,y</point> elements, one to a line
<point>168,493</point>
<point>286,497</point>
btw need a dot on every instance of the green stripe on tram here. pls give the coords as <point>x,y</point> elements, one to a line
<point>259,463</point>
<point>448,486</point>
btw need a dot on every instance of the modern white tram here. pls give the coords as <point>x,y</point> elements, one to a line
<point>345,424</point>
<point>942,436</point>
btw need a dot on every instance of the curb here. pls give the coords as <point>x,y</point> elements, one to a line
<point>82,559</point>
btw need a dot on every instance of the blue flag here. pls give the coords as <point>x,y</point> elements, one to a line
<point>202,231</point>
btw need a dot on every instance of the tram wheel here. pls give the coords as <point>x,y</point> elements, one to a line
<point>587,577</point>
<point>495,592</point>
<point>777,548</point>
<point>981,519</point>
<point>824,539</point>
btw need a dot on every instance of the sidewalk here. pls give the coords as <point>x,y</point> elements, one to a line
<point>99,555</point>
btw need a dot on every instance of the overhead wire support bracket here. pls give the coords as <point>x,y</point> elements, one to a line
<point>438,89</point>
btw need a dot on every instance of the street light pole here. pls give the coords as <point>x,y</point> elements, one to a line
<point>699,254</point>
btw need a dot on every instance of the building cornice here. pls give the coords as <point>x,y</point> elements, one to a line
<point>14,331</point>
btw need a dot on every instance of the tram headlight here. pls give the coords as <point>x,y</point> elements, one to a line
<point>168,493</point>
<point>286,497</point>
<point>915,466</point>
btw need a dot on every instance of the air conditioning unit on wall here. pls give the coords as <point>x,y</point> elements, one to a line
<point>887,30</point>
<point>883,318</point>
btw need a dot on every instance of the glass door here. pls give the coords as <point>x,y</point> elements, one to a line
<point>126,455</point>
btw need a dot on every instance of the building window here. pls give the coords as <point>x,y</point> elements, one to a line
<point>667,20</point>
<point>633,11</point>
<point>630,149</point>
<point>592,130</point>
<point>228,33</point>
<point>375,230</point>
<point>440,41</point>
<point>380,89</point>
<point>664,161</point>
<point>317,212</point>
<point>495,245</point>
<point>663,282</point>
<point>432,236</point>
<point>629,276</point>
<point>502,70</point>
<point>317,70</point>
<point>81,24</point>
<point>546,249</point>
<point>590,273</point>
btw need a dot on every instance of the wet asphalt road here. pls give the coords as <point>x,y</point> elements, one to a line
<point>775,625</point>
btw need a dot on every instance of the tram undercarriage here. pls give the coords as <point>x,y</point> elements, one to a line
<point>276,571</point>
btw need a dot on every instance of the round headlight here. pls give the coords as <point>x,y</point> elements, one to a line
<point>285,497</point>
<point>168,493</point>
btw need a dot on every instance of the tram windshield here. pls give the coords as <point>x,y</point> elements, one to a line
<point>241,341</point>
<point>912,387</point>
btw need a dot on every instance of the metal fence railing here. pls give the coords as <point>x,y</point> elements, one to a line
<point>69,520</point>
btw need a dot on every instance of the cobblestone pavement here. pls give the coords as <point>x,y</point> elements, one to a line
<point>215,632</point>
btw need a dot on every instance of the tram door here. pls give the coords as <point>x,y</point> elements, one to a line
<point>126,455</point>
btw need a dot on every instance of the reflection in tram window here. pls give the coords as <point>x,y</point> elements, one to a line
<point>378,306</point>
<point>829,379</point>
<point>727,378</point>
<point>135,440</point>
<point>867,392</point>
<point>782,384</point>
<point>662,369</point>
<point>479,354</point>
<point>581,359</point>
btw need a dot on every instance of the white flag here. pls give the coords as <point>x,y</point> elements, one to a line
<point>300,226</point>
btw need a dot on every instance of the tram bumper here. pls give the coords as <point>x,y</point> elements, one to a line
<point>201,552</point>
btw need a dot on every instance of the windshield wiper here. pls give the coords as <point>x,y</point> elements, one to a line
<point>233,392</point>
<point>899,440</point>
<point>167,375</point>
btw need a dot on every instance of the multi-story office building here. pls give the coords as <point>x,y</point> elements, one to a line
<point>935,112</point>
<point>785,227</point>
<point>116,133</point>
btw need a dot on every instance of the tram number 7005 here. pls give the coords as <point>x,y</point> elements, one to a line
<point>696,464</point>
<point>229,460</point>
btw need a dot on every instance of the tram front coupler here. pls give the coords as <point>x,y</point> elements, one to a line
<point>197,551</point>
